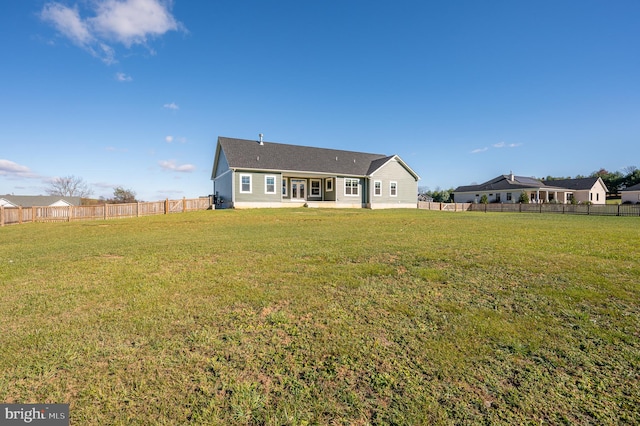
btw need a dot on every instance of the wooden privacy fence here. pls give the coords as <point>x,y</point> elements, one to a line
<point>450,207</point>
<point>17,215</point>
<point>585,209</point>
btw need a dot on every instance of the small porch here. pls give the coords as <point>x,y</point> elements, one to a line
<point>555,195</point>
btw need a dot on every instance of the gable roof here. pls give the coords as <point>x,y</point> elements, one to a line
<point>39,200</point>
<point>580,184</point>
<point>505,182</point>
<point>635,187</point>
<point>251,155</point>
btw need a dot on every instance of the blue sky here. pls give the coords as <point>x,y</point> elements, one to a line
<point>134,93</point>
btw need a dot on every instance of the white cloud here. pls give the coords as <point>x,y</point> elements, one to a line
<point>68,22</point>
<point>172,106</point>
<point>132,21</point>
<point>12,169</point>
<point>171,165</point>
<point>169,139</point>
<point>122,77</point>
<point>505,145</point>
<point>478,150</point>
<point>127,22</point>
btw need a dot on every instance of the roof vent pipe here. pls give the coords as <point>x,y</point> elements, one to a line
<point>261,135</point>
<point>511,177</point>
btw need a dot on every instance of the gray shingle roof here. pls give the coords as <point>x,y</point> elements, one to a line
<point>503,182</point>
<point>522,182</point>
<point>39,200</point>
<point>248,154</point>
<point>635,187</point>
<point>574,184</point>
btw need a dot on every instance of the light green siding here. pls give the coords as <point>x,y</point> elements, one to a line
<point>406,185</point>
<point>222,181</point>
<point>258,192</point>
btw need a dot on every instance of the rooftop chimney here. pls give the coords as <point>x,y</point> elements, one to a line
<point>511,177</point>
<point>261,135</point>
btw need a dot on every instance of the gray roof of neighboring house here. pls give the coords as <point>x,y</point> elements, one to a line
<point>504,182</point>
<point>251,155</point>
<point>39,200</point>
<point>635,187</point>
<point>574,184</point>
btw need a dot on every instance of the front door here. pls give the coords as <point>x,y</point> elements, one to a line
<point>298,189</point>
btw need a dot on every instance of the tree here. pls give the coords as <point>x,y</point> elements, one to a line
<point>612,180</point>
<point>524,198</point>
<point>121,196</point>
<point>484,199</point>
<point>69,186</point>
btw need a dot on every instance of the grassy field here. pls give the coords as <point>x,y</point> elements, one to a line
<point>311,316</point>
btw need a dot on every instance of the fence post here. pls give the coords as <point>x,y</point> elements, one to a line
<point>618,210</point>
<point>1,215</point>
<point>69,212</point>
<point>33,214</point>
<point>138,209</point>
<point>166,206</point>
<point>20,215</point>
<point>184,204</point>
<point>105,211</point>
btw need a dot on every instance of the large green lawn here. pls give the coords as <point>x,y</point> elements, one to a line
<point>311,316</point>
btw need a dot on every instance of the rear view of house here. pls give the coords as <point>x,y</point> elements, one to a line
<point>249,173</point>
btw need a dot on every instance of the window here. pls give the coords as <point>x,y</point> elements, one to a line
<point>377,188</point>
<point>269,184</point>
<point>245,184</point>
<point>508,196</point>
<point>329,185</point>
<point>591,196</point>
<point>498,197</point>
<point>315,188</point>
<point>284,187</point>
<point>393,189</point>
<point>597,196</point>
<point>351,187</point>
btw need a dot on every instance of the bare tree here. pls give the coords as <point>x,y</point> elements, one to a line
<point>69,186</point>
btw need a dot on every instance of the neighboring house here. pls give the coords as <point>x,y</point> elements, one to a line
<point>37,201</point>
<point>631,194</point>
<point>249,173</point>
<point>507,189</point>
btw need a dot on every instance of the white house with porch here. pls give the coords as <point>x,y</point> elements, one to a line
<point>508,189</point>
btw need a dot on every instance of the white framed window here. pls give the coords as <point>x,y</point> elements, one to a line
<point>508,196</point>
<point>328,186</point>
<point>377,188</point>
<point>351,187</point>
<point>245,184</point>
<point>269,184</point>
<point>393,189</point>
<point>284,187</point>
<point>316,188</point>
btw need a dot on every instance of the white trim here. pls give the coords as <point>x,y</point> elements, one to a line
<point>311,194</point>
<point>328,185</point>
<point>284,186</point>
<point>266,185</point>
<point>374,188</point>
<point>250,183</point>
<point>357,187</point>
<point>393,186</point>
